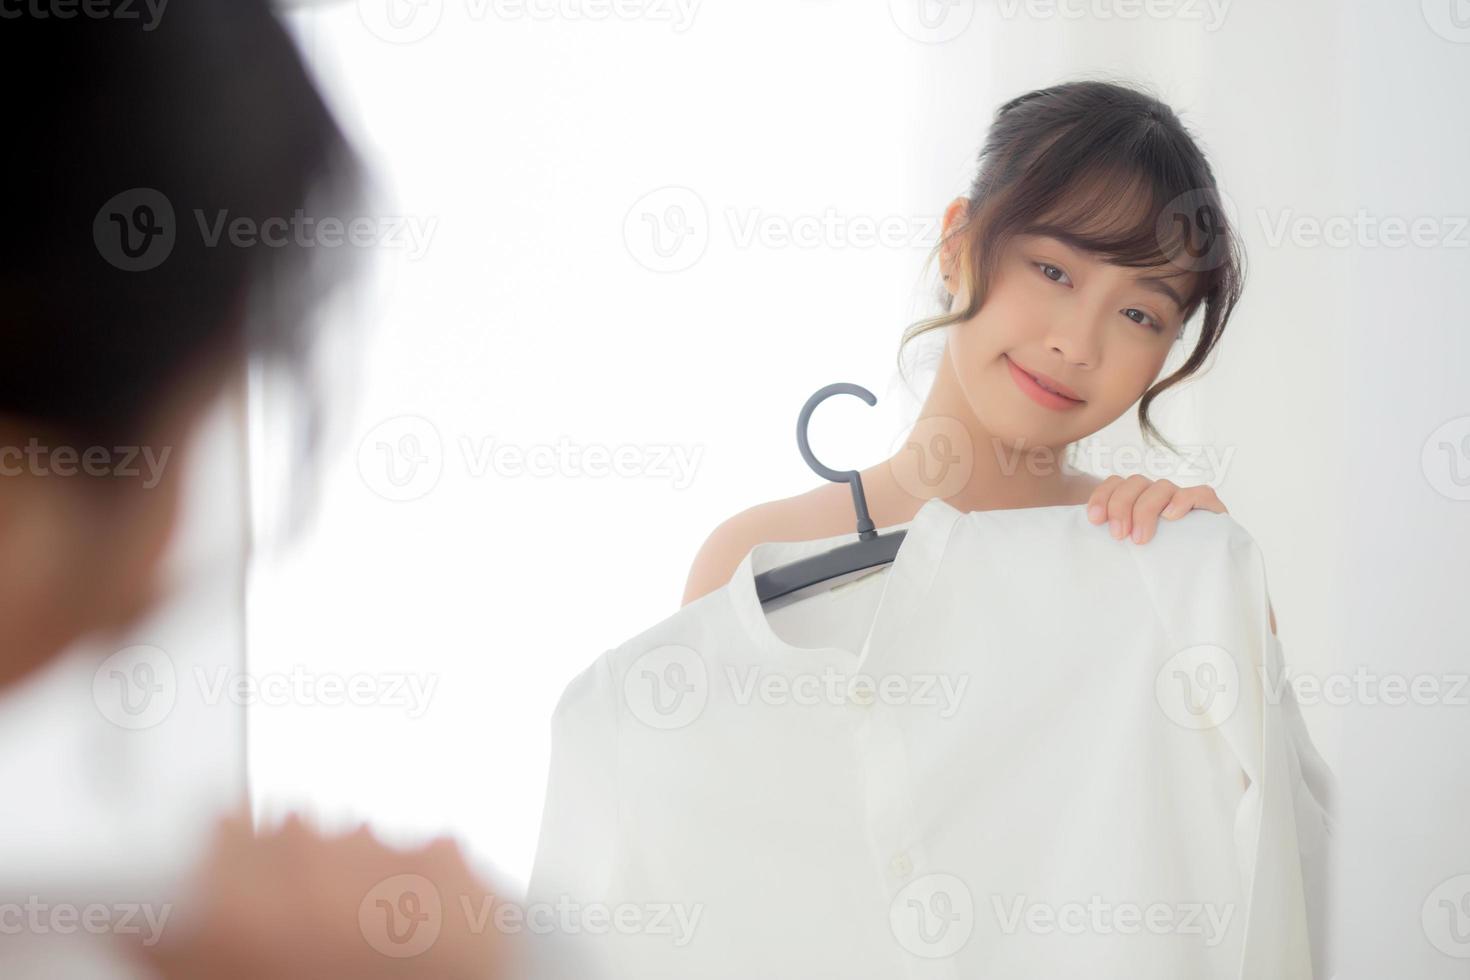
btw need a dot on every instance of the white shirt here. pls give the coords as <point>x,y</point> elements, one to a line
<point>1071,756</point>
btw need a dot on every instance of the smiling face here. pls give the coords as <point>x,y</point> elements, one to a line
<point>1060,318</point>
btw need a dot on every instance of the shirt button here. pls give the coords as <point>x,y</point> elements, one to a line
<point>861,696</point>
<point>901,866</point>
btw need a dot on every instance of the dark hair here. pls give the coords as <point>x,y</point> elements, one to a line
<point>1111,170</point>
<point>132,140</point>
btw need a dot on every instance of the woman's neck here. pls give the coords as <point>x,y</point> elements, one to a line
<point>949,454</point>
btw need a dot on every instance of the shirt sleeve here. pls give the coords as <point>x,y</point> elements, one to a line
<point>1314,801</point>
<point>1278,939</point>
<point>577,844</point>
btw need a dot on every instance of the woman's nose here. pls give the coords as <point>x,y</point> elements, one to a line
<point>1078,339</point>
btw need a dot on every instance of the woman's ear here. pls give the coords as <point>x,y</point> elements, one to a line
<point>952,247</point>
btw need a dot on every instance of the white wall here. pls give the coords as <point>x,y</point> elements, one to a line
<point>1406,532</point>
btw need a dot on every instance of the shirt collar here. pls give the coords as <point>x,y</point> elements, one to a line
<point>911,571</point>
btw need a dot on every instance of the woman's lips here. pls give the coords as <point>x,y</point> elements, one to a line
<point>1035,392</point>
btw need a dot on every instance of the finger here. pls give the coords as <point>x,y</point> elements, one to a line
<point>1097,503</point>
<point>1146,509</point>
<point>1120,504</point>
<point>1194,498</point>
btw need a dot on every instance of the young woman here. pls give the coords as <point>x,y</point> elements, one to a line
<point>1091,235</point>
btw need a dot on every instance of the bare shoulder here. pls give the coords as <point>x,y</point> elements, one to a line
<point>804,517</point>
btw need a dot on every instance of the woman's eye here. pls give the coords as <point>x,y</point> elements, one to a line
<point>1044,266</point>
<point>1153,324</point>
<point>1149,321</point>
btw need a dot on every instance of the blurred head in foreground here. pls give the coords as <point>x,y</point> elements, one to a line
<point>156,172</point>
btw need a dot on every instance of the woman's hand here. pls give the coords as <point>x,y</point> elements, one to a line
<point>1134,505</point>
<point>292,904</point>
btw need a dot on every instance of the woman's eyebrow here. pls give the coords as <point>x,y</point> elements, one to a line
<point>1156,284</point>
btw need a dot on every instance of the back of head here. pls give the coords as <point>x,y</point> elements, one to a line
<point>141,139</point>
<point>141,134</point>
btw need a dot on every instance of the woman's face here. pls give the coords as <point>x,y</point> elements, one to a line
<point>1096,332</point>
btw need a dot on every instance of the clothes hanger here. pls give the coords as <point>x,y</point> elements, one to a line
<point>870,550</point>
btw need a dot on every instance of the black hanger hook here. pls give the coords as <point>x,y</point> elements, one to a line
<point>859,501</point>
